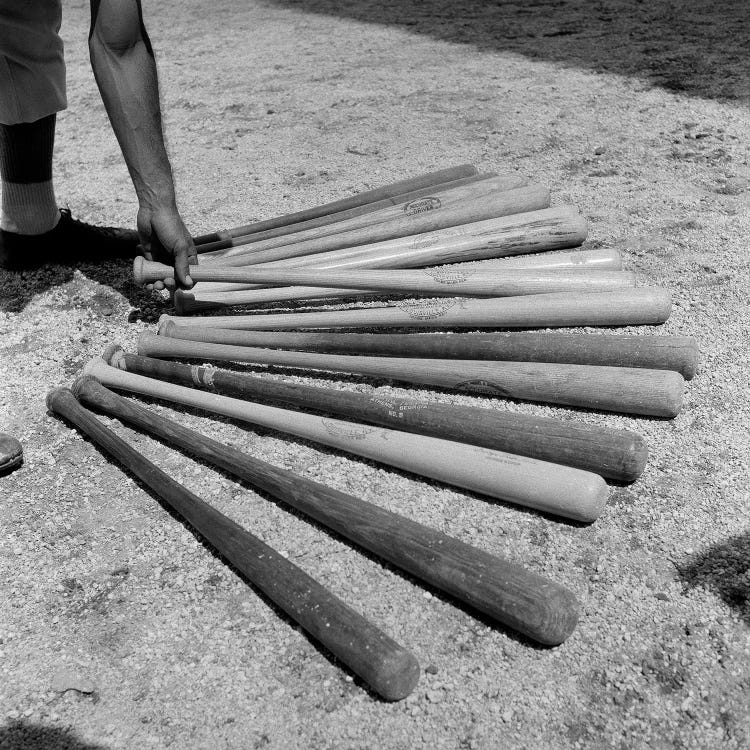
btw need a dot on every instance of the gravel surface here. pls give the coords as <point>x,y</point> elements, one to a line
<point>120,629</point>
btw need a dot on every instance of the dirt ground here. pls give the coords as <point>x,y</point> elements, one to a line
<point>119,629</point>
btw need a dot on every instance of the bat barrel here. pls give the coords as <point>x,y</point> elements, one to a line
<point>385,665</point>
<point>678,353</point>
<point>508,593</point>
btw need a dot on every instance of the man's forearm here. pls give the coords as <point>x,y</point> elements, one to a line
<point>125,71</point>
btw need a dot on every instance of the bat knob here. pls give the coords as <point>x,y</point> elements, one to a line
<point>138,275</point>
<point>111,354</point>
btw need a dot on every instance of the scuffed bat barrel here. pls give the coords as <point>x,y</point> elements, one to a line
<point>611,453</point>
<point>390,669</point>
<point>508,593</point>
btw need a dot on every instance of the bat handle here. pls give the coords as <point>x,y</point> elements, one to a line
<point>148,271</point>
<point>389,668</point>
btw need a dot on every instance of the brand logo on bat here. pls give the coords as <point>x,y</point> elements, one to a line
<point>421,206</point>
<point>353,431</point>
<point>426,309</point>
<point>483,386</point>
<point>447,276</point>
<point>397,408</point>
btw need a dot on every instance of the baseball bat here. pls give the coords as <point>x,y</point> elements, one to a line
<point>678,353</point>
<point>532,232</point>
<point>386,666</point>
<point>593,260</point>
<point>454,207</point>
<point>628,390</point>
<point>368,196</point>
<point>551,488</point>
<point>506,592</point>
<point>432,281</point>
<point>611,453</point>
<point>626,307</point>
<point>217,247</point>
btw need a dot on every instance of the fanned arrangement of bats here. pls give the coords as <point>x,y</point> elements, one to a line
<point>469,256</point>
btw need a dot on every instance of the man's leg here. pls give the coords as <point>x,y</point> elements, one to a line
<point>29,205</point>
<point>32,90</point>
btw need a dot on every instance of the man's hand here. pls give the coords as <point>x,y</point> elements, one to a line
<point>164,238</point>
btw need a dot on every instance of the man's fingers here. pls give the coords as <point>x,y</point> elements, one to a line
<point>182,265</point>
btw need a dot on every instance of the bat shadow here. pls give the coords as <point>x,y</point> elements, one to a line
<point>724,569</point>
<point>694,47</point>
<point>24,735</point>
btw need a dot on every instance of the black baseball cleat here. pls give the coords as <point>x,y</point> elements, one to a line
<point>69,242</point>
<point>11,453</point>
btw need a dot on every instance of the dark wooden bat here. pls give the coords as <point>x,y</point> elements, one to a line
<point>386,666</point>
<point>552,488</point>
<point>508,593</point>
<point>629,390</point>
<point>678,353</point>
<point>611,453</point>
<point>368,196</point>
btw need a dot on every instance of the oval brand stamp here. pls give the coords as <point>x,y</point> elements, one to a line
<point>448,276</point>
<point>421,206</point>
<point>426,309</point>
<point>344,429</point>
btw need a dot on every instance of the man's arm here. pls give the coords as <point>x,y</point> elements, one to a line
<point>125,71</point>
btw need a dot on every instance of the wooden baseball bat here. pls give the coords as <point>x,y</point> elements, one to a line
<point>678,353</point>
<point>611,453</point>
<point>622,389</point>
<point>454,207</point>
<point>593,260</point>
<point>204,295</point>
<point>368,196</point>
<point>548,487</point>
<point>432,281</point>
<point>217,247</point>
<point>386,666</point>
<point>506,592</point>
<point>626,307</point>
<point>532,232</point>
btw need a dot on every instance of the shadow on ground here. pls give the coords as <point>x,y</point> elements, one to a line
<point>697,46</point>
<point>725,570</point>
<point>21,735</point>
<point>19,289</point>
